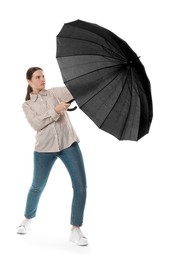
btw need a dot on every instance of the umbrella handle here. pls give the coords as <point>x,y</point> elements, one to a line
<point>71,109</point>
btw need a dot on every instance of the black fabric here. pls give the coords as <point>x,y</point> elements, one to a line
<point>106,78</point>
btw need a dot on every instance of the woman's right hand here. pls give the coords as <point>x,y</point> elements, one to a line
<point>62,106</point>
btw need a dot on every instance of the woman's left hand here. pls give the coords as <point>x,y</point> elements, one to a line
<point>62,106</point>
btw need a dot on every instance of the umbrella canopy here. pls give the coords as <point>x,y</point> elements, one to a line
<point>106,78</point>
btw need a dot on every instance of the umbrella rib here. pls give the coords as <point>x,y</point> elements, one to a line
<point>100,90</point>
<point>129,71</point>
<point>96,44</point>
<point>92,72</point>
<point>129,108</point>
<point>100,36</point>
<point>86,54</point>
<point>114,103</point>
<point>101,55</point>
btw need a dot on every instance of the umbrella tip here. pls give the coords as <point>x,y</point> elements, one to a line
<point>131,61</point>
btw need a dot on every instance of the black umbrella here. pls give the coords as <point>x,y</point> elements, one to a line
<point>106,78</point>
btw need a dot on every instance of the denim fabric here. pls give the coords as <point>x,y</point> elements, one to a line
<point>43,162</point>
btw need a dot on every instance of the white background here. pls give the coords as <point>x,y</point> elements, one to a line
<point>131,210</point>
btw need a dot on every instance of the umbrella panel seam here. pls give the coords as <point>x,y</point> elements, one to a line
<point>63,37</point>
<point>91,72</point>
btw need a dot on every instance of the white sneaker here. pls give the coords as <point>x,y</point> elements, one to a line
<point>24,227</point>
<point>77,237</point>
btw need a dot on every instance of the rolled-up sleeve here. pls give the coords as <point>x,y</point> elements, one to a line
<point>37,121</point>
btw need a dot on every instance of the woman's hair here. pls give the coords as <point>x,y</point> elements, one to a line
<point>29,75</point>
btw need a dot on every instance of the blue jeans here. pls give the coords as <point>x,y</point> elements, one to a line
<point>43,162</point>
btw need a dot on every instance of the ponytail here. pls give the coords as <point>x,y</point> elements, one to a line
<point>29,90</point>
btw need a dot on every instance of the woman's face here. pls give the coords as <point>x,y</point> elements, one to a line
<point>37,81</point>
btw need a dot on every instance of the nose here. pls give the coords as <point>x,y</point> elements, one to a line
<point>42,80</point>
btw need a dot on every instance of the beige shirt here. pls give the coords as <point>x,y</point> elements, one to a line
<point>54,130</point>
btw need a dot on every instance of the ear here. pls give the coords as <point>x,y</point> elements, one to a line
<point>29,81</point>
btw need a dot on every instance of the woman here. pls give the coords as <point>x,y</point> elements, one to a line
<point>45,110</point>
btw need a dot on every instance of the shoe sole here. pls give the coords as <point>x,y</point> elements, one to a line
<point>22,232</point>
<point>78,244</point>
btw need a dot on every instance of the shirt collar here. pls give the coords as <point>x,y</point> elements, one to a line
<point>34,96</point>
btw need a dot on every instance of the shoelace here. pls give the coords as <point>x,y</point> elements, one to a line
<point>25,223</point>
<point>80,233</point>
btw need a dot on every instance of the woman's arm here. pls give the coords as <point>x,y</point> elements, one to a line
<point>38,122</point>
<point>62,93</point>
